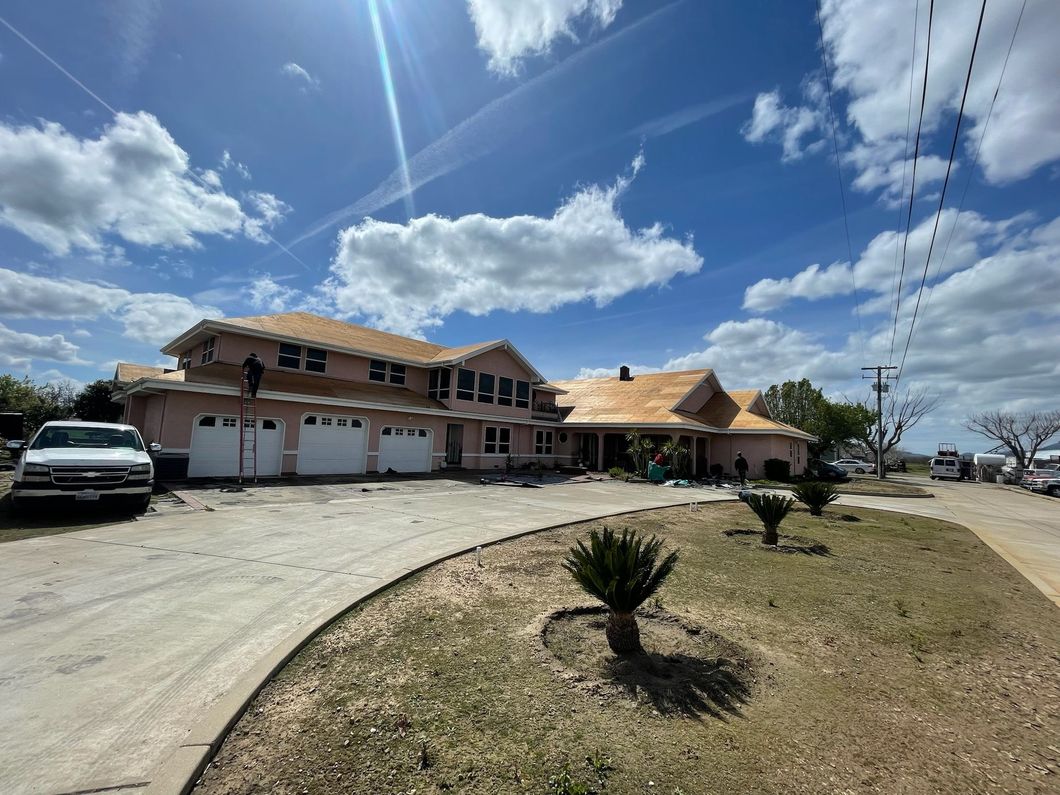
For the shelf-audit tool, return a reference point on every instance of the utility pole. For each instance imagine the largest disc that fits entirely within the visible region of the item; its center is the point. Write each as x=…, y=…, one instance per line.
x=879, y=388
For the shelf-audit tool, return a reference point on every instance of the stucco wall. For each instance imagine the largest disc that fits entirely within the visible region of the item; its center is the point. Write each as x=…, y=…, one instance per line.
x=498, y=363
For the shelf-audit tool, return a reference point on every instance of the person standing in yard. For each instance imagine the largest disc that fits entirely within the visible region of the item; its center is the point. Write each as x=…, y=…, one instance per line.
x=741, y=467
x=253, y=368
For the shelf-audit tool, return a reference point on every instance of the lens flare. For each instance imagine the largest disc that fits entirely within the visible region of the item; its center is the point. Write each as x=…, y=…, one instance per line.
x=391, y=103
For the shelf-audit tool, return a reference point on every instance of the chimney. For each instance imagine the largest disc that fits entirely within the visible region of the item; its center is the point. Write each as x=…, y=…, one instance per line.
x=623, y=374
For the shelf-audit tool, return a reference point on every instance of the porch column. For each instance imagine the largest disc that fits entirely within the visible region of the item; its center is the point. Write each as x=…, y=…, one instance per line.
x=599, y=451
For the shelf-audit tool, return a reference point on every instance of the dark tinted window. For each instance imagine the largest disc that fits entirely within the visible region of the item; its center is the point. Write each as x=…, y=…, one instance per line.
x=486, y=383
x=289, y=356
x=505, y=387
x=522, y=394
x=465, y=384
x=316, y=360
x=376, y=370
x=397, y=374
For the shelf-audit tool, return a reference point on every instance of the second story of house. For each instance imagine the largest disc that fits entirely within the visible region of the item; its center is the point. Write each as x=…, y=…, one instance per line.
x=303, y=351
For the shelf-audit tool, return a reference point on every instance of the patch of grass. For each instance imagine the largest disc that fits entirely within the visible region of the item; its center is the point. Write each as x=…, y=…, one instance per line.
x=917, y=703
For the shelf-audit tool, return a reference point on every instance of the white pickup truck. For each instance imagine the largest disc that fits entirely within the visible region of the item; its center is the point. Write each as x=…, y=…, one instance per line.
x=83, y=462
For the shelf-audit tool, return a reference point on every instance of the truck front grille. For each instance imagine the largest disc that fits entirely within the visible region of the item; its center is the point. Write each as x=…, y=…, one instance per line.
x=89, y=476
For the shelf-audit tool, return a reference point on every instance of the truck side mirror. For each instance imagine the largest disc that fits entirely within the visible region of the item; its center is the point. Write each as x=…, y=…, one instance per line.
x=16, y=444
x=154, y=447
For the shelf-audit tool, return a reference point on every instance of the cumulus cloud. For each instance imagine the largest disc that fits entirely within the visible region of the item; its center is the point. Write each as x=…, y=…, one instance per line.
x=270, y=211
x=18, y=349
x=149, y=317
x=608, y=372
x=874, y=271
x=305, y=80
x=409, y=277
x=267, y=294
x=869, y=45
x=510, y=32
x=133, y=182
x=772, y=120
x=228, y=162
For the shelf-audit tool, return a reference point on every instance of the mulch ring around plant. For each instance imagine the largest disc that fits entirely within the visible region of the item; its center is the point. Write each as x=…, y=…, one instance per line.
x=683, y=671
x=791, y=545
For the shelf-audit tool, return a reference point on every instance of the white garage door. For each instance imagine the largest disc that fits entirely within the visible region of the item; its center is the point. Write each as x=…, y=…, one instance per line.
x=215, y=447
x=331, y=445
x=405, y=449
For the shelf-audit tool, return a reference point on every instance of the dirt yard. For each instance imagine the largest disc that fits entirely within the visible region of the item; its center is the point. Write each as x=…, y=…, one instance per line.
x=884, y=653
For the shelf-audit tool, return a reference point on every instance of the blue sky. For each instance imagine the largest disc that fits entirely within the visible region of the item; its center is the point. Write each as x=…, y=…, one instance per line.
x=600, y=181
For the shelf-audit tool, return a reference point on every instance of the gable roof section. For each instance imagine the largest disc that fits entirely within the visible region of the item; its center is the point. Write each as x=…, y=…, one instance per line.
x=307, y=328
x=649, y=399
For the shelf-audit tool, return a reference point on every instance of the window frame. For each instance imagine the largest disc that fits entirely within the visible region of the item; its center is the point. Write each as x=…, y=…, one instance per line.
x=376, y=374
x=522, y=402
x=502, y=440
x=396, y=373
x=463, y=393
x=439, y=383
x=543, y=442
x=321, y=360
x=209, y=349
x=484, y=394
x=505, y=399
x=280, y=356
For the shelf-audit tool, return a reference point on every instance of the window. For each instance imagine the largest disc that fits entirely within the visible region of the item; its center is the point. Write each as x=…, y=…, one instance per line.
x=228, y=422
x=185, y=360
x=486, y=384
x=342, y=422
x=465, y=384
x=268, y=425
x=543, y=443
x=208, y=422
x=310, y=420
x=208, y=349
x=316, y=360
x=497, y=440
x=438, y=384
x=504, y=391
x=376, y=370
x=325, y=420
x=289, y=356
x=397, y=374
x=386, y=431
x=522, y=394
x=563, y=437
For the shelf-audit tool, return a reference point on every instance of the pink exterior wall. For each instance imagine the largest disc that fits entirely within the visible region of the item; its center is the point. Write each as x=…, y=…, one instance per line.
x=756, y=449
x=497, y=362
x=151, y=429
x=234, y=348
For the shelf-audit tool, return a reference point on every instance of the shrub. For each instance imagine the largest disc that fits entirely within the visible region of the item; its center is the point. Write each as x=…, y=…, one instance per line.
x=815, y=495
x=680, y=458
x=771, y=509
x=618, y=473
x=622, y=572
x=777, y=469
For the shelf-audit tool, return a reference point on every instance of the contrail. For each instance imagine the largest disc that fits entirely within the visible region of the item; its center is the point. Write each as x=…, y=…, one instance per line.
x=474, y=137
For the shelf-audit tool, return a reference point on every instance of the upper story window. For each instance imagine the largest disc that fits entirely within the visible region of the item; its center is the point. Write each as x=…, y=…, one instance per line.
x=289, y=356
x=316, y=360
x=505, y=390
x=438, y=382
x=185, y=360
x=522, y=394
x=208, y=348
x=378, y=370
x=486, y=384
x=465, y=384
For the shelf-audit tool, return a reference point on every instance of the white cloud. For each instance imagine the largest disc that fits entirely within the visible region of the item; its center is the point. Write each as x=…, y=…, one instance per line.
x=228, y=162
x=509, y=32
x=18, y=349
x=772, y=120
x=270, y=211
x=134, y=182
x=409, y=277
x=608, y=372
x=148, y=317
x=875, y=268
x=869, y=45
x=269, y=295
x=664, y=125
x=306, y=81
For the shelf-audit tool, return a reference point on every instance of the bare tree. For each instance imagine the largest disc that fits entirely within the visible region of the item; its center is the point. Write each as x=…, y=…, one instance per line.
x=899, y=416
x=1023, y=434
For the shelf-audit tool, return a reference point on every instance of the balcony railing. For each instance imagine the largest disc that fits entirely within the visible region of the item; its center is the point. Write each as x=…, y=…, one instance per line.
x=543, y=407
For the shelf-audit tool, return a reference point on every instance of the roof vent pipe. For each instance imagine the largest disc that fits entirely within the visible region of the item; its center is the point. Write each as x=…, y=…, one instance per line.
x=623, y=373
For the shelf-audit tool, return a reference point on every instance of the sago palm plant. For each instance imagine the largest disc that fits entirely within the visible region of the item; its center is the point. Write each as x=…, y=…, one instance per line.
x=815, y=495
x=771, y=510
x=622, y=572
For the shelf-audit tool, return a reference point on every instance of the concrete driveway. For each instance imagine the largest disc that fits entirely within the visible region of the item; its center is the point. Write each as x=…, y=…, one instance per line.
x=116, y=641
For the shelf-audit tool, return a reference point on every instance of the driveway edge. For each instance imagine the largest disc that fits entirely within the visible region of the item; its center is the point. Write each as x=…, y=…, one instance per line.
x=179, y=773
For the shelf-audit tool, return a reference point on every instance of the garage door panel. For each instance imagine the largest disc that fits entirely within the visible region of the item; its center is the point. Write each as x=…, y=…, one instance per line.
x=215, y=447
x=332, y=445
x=405, y=449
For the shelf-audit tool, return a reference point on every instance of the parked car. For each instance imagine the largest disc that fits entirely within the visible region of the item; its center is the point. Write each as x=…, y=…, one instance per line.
x=822, y=470
x=1032, y=478
x=945, y=469
x=84, y=462
x=1050, y=486
x=855, y=465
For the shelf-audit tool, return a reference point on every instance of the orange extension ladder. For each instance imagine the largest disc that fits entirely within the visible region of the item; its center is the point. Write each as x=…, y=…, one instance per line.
x=248, y=433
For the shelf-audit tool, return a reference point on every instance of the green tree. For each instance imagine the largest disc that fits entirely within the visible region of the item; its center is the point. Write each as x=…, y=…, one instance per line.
x=38, y=403
x=622, y=572
x=802, y=405
x=93, y=403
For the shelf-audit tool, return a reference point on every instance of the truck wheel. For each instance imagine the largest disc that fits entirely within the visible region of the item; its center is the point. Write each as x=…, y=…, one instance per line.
x=859, y=471
x=1054, y=491
x=141, y=504
x=15, y=506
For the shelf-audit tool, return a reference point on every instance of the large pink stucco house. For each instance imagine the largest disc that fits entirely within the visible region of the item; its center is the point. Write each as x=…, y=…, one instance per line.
x=338, y=398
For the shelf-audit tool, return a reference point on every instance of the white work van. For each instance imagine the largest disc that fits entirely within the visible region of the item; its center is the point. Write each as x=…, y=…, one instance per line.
x=948, y=468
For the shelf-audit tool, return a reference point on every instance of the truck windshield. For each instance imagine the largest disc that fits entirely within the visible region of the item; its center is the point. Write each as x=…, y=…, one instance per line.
x=75, y=437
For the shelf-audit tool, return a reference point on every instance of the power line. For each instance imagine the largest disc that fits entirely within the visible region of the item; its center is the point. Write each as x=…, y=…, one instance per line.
x=945, y=183
x=975, y=158
x=905, y=164
x=839, y=173
x=912, y=189
x=97, y=98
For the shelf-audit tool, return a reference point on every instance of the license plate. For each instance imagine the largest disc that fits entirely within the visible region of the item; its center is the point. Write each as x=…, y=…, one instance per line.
x=87, y=495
